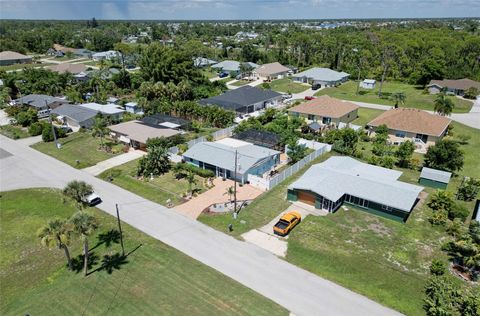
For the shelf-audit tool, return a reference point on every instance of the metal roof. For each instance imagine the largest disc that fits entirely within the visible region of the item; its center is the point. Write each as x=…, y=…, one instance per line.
x=107, y=109
x=223, y=156
x=241, y=97
x=435, y=175
x=322, y=74
x=344, y=175
x=75, y=112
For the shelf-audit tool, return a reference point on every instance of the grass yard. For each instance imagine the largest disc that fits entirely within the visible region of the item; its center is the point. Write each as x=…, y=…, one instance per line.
x=226, y=79
x=416, y=97
x=287, y=85
x=79, y=146
x=22, y=66
x=154, y=278
x=240, y=83
x=209, y=73
x=365, y=115
x=14, y=132
x=159, y=190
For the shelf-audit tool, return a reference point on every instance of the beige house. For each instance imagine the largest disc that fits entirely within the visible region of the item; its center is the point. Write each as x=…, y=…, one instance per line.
x=11, y=58
x=271, y=71
x=326, y=110
x=421, y=127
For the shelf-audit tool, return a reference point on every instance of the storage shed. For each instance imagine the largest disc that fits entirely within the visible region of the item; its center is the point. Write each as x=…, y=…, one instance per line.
x=434, y=178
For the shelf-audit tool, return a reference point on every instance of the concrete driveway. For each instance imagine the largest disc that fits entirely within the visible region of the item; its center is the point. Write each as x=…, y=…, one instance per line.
x=114, y=162
x=217, y=194
x=302, y=293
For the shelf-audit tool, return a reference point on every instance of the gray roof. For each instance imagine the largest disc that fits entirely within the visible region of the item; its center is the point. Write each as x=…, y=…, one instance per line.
x=228, y=65
x=223, y=156
x=322, y=74
x=435, y=175
x=39, y=101
x=241, y=97
x=202, y=61
x=344, y=175
x=75, y=112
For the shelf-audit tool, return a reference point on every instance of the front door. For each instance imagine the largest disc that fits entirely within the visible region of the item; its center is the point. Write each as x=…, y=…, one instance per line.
x=423, y=137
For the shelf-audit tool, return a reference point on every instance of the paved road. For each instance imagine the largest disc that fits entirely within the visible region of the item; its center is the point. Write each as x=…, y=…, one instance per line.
x=297, y=290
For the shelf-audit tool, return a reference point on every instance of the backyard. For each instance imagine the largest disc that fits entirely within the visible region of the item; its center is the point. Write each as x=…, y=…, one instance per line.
x=365, y=115
x=81, y=147
x=159, y=190
x=288, y=86
x=153, y=279
x=416, y=97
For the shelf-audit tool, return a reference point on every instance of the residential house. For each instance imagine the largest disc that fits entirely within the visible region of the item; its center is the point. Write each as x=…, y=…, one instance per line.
x=167, y=121
x=108, y=55
x=421, y=127
x=323, y=77
x=368, y=84
x=245, y=99
x=434, y=178
x=11, y=58
x=41, y=102
x=136, y=133
x=326, y=110
x=75, y=116
x=219, y=157
x=339, y=180
x=112, y=111
x=74, y=69
x=271, y=71
x=232, y=66
x=456, y=87
x=202, y=62
x=133, y=107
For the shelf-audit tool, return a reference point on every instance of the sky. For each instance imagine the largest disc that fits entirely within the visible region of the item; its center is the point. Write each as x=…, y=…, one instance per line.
x=235, y=9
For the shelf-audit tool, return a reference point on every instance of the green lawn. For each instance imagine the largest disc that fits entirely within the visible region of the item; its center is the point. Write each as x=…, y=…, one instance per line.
x=14, y=132
x=79, y=146
x=22, y=66
x=155, y=279
x=240, y=83
x=209, y=73
x=416, y=96
x=365, y=115
x=159, y=190
x=471, y=167
x=287, y=85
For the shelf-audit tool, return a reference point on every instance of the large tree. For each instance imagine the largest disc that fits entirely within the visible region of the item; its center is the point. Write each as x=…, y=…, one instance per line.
x=443, y=105
x=155, y=163
x=77, y=190
x=57, y=233
x=84, y=224
x=445, y=155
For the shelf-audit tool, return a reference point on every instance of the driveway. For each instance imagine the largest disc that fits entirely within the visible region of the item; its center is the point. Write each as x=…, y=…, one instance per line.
x=302, y=293
x=217, y=194
x=114, y=162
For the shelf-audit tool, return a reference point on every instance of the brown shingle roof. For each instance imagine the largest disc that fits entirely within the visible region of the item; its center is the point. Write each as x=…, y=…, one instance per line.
x=9, y=55
x=62, y=48
x=412, y=120
x=67, y=67
x=140, y=131
x=325, y=106
x=271, y=69
x=460, y=84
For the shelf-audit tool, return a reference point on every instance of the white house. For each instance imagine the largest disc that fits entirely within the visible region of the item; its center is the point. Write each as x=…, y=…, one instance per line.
x=368, y=84
x=108, y=55
x=321, y=76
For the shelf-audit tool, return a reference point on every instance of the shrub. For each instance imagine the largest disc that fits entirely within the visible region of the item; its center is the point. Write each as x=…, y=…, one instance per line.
x=468, y=190
x=47, y=133
x=458, y=211
x=439, y=217
x=36, y=128
x=204, y=173
x=437, y=267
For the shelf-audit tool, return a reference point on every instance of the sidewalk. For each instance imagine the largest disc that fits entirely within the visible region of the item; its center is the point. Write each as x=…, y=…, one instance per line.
x=114, y=162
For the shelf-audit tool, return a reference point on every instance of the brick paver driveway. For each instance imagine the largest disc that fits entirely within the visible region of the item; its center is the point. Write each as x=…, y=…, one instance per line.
x=217, y=194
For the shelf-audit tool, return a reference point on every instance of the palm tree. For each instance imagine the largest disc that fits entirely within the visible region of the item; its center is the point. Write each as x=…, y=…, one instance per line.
x=77, y=190
x=230, y=191
x=84, y=224
x=443, y=105
x=57, y=233
x=100, y=129
x=191, y=181
x=399, y=98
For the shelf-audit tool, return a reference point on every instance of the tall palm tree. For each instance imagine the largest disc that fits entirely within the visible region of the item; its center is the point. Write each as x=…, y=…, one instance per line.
x=57, y=233
x=77, y=190
x=443, y=105
x=191, y=181
x=84, y=224
x=100, y=129
x=399, y=98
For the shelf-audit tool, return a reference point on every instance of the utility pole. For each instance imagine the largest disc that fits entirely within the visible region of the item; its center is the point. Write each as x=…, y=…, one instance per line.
x=235, y=186
x=53, y=128
x=358, y=66
x=120, y=229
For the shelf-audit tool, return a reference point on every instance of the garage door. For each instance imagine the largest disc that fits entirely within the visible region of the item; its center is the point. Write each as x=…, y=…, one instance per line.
x=306, y=197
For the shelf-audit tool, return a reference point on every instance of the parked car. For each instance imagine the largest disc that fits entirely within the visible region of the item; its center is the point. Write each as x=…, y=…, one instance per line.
x=286, y=223
x=223, y=75
x=308, y=97
x=92, y=199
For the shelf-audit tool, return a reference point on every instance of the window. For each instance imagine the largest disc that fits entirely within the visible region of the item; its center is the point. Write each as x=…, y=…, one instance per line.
x=326, y=120
x=400, y=134
x=387, y=208
x=311, y=117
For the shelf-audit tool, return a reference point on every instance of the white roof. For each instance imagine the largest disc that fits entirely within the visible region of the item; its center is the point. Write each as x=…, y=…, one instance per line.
x=370, y=81
x=223, y=156
x=108, y=109
x=232, y=142
x=322, y=74
x=169, y=125
x=132, y=104
x=435, y=175
x=344, y=175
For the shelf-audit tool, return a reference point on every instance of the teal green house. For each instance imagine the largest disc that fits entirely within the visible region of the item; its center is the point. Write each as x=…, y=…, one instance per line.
x=434, y=178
